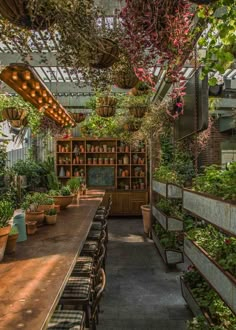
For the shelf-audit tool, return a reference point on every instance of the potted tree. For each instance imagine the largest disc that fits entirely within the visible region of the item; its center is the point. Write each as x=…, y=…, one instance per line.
x=6, y=212
x=12, y=238
x=31, y=206
x=51, y=216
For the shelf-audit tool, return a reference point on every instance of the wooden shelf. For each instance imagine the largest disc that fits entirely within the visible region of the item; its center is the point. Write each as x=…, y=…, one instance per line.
x=100, y=152
x=123, y=177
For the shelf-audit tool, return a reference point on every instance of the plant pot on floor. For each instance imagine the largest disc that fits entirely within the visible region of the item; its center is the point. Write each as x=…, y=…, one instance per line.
x=11, y=243
x=51, y=219
x=146, y=213
x=3, y=240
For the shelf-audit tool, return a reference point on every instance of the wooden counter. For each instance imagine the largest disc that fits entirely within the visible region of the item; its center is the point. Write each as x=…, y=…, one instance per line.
x=32, y=280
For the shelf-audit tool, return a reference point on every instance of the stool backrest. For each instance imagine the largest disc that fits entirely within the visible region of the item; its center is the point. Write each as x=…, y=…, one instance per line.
x=99, y=289
x=100, y=258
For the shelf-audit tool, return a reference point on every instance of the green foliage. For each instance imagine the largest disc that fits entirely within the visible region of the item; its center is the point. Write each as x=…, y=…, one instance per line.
x=6, y=213
x=165, y=174
x=133, y=101
x=52, y=181
x=51, y=212
x=74, y=184
x=170, y=208
x=217, y=182
x=169, y=240
x=219, y=246
x=219, y=41
x=13, y=231
x=65, y=191
x=209, y=301
x=3, y=157
x=31, y=202
x=30, y=169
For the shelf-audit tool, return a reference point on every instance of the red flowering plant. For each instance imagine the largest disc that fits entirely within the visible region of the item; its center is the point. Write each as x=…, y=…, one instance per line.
x=158, y=32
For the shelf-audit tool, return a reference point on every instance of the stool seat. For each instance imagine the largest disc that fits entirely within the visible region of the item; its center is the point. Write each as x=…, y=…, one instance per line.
x=96, y=226
x=84, y=259
x=82, y=269
x=99, y=217
x=90, y=248
x=67, y=320
x=94, y=235
x=77, y=288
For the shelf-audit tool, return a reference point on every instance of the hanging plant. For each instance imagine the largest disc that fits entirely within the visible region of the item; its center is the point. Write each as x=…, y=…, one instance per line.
x=203, y=2
x=123, y=74
x=105, y=104
x=137, y=105
x=158, y=33
x=23, y=13
x=78, y=117
x=105, y=53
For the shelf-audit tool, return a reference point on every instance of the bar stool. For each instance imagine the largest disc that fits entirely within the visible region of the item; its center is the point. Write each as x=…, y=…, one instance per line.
x=92, y=248
x=67, y=320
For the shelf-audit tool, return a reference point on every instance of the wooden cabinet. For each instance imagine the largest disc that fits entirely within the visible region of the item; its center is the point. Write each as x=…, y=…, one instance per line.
x=108, y=164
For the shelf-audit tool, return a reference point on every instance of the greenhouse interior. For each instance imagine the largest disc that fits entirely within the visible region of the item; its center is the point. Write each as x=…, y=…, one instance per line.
x=118, y=164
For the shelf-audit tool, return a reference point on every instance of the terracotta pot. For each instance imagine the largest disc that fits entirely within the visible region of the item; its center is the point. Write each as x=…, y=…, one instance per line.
x=45, y=207
x=3, y=240
x=35, y=216
x=11, y=243
x=51, y=219
x=57, y=208
x=31, y=227
x=147, y=223
x=105, y=54
x=63, y=201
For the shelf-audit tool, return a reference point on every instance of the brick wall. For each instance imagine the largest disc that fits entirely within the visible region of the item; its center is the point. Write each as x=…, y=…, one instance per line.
x=212, y=153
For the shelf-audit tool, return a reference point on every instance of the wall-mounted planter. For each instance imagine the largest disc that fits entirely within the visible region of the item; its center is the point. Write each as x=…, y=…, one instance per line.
x=223, y=282
x=167, y=190
x=169, y=256
x=167, y=222
x=218, y=212
x=190, y=300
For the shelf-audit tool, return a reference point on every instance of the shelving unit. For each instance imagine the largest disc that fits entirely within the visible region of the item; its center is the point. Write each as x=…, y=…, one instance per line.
x=168, y=223
x=108, y=164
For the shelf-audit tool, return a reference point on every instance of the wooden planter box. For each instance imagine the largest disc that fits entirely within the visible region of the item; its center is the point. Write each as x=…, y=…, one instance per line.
x=169, y=256
x=223, y=282
x=167, y=190
x=167, y=222
x=215, y=211
x=190, y=300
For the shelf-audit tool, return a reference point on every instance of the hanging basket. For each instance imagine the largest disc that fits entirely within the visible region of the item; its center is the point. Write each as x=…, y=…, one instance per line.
x=78, y=117
x=138, y=111
x=125, y=79
x=17, y=12
x=105, y=111
x=132, y=126
x=105, y=54
x=203, y=2
x=13, y=114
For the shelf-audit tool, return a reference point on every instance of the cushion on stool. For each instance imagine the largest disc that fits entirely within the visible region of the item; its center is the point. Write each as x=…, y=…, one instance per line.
x=96, y=226
x=84, y=259
x=90, y=248
x=67, y=320
x=94, y=235
x=77, y=288
x=82, y=268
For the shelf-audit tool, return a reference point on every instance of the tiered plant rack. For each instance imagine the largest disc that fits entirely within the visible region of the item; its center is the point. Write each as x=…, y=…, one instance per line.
x=222, y=215
x=169, y=223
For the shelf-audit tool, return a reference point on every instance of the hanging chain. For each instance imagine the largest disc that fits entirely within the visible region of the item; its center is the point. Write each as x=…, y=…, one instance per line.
x=196, y=106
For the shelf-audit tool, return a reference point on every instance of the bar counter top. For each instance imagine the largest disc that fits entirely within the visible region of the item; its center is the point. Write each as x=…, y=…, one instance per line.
x=32, y=279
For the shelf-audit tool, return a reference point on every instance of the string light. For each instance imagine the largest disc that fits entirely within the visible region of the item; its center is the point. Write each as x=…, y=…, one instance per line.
x=27, y=75
x=14, y=76
x=40, y=100
x=44, y=93
x=33, y=94
x=24, y=86
x=37, y=85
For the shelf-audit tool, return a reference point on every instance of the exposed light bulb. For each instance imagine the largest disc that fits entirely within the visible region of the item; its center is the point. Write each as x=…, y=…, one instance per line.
x=44, y=93
x=40, y=100
x=50, y=100
x=37, y=85
x=27, y=75
x=24, y=86
x=14, y=76
x=33, y=94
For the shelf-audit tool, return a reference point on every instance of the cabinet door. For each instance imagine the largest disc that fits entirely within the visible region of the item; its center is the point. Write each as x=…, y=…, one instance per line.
x=136, y=200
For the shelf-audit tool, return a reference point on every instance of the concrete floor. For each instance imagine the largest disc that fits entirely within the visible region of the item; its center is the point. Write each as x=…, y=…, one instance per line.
x=141, y=292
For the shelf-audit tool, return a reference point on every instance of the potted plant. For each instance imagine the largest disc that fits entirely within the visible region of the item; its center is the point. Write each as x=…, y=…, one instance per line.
x=51, y=216
x=123, y=73
x=105, y=53
x=105, y=105
x=6, y=213
x=137, y=105
x=46, y=203
x=74, y=184
x=62, y=197
x=12, y=238
x=31, y=227
x=31, y=207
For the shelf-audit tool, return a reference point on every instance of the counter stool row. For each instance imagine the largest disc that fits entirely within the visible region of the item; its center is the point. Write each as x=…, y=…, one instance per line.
x=79, y=304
